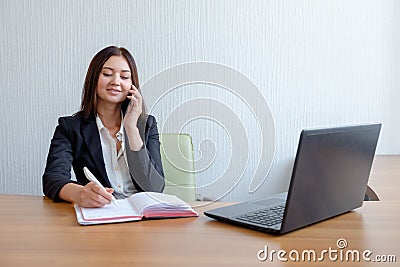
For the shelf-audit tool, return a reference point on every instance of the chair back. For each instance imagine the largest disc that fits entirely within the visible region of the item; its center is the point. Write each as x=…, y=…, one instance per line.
x=178, y=164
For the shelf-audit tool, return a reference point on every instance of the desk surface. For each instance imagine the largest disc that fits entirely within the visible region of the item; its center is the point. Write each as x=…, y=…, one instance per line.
x=34, y=231
x=385, y=177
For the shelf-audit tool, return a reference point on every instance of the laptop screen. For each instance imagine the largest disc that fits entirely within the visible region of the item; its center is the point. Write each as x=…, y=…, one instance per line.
x=330, y=173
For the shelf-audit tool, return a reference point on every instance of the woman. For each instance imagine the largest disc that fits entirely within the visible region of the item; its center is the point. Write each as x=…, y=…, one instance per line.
x=111, y=135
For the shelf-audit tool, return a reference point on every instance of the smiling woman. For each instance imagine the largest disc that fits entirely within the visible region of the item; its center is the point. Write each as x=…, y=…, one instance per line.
x=111, y=135
x=114, y=81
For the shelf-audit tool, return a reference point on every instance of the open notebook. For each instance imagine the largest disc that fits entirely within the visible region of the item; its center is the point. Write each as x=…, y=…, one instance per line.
x=143, y=205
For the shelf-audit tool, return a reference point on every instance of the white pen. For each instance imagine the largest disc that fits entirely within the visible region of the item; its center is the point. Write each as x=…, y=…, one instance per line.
x=93, y=179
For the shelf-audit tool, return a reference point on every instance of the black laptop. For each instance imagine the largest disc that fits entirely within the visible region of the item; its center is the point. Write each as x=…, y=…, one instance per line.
x=329, y=177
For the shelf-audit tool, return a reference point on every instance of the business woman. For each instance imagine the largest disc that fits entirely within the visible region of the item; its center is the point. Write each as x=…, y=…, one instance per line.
x=111, y=135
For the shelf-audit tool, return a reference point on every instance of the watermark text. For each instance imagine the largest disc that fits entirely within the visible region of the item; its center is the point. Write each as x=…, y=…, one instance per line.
x=339, y=253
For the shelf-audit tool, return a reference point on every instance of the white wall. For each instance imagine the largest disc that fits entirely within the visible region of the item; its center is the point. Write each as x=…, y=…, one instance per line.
x=317, y=63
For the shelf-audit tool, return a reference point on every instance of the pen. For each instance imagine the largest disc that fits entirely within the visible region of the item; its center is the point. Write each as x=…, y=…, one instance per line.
x=93, y=179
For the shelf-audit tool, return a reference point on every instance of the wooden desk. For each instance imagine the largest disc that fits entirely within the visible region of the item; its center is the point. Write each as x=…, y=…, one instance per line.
x=385, y=177
x=34, y=231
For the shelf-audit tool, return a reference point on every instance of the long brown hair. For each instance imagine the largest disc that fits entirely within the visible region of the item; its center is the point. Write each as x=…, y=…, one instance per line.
x=89, y=97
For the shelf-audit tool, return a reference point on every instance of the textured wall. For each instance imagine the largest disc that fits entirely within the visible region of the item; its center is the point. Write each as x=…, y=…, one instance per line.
x=316, y=63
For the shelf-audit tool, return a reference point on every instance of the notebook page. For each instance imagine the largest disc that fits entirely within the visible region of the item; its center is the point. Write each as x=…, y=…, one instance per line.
x=124, y=210
x=144, y=200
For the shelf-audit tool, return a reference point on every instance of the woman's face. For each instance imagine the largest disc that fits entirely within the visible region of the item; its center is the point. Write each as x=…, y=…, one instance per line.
x=114, y=82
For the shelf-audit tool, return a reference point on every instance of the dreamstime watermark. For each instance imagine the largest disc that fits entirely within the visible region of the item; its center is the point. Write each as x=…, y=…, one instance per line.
x=176, y=96
x=339, y=254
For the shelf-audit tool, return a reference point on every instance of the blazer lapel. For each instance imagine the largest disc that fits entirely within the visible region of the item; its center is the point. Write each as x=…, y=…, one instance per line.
x=92, y=139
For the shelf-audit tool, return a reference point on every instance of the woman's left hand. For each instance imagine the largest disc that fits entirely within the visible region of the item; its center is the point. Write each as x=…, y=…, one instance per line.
x=132, y=114
x=134, y=108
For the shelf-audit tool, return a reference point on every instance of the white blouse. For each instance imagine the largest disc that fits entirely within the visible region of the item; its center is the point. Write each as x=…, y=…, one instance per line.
x=115, y=162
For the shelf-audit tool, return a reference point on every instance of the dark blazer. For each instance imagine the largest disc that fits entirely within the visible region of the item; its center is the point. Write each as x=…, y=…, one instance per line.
x=76, y=143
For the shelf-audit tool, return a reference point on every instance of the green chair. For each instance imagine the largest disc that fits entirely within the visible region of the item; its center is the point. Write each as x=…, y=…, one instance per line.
x=178, y=164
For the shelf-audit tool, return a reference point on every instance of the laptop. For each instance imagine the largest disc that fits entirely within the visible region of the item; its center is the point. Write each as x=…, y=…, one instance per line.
x=329, y=177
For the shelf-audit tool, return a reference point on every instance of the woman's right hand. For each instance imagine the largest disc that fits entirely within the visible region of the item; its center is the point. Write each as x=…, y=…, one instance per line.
x=88, y=196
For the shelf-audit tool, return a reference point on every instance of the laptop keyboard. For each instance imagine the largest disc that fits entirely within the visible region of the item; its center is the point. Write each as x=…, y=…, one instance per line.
x=266, y=217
